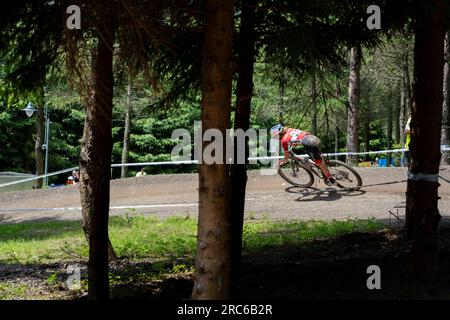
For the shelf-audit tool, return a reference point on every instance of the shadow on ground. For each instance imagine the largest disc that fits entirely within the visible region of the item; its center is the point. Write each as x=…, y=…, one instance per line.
x=337, y=269
x=333, y=268
x=322, y=269
x=328, y=194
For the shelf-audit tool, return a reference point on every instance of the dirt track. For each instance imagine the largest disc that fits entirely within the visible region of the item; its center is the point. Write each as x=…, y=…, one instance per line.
x=268, y=196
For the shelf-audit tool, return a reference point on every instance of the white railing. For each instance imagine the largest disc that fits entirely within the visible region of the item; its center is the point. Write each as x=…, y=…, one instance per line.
x=163, y=163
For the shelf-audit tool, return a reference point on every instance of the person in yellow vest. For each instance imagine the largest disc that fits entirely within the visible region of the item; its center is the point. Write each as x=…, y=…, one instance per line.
x=407, y=139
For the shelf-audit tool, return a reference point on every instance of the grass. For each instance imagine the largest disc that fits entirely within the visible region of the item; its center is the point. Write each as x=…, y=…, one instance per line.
x=10, y=291
x=168, y=244
x=138, y=237
x=132, y=237
x=260, y=235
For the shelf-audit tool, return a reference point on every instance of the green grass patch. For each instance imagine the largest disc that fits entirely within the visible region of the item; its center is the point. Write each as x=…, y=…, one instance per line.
x=12, y=291
x=259, y=235
x=137, y=237
x=133, y=237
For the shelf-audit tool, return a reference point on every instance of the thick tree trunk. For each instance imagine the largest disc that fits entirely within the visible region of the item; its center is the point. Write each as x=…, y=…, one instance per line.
x=445, y=134
x=95, y=158
x=422, y=215
x=39, y=152
x=244, y=91
x=353, y=100
x=126, y=133
x=212, y=267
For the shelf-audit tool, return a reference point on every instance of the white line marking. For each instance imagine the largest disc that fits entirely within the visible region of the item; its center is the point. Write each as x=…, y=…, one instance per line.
x=167, y=205
x=112, y=207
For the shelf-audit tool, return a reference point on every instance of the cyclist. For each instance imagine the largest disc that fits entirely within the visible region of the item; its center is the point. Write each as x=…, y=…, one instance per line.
x=290, y=136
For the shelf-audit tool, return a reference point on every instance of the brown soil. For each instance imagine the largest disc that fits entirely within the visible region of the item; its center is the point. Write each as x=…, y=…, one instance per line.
x=328, y=269
x=383, y=192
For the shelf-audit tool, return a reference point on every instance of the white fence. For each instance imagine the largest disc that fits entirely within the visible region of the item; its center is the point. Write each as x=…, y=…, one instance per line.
x=164, y=163
x=21, y=181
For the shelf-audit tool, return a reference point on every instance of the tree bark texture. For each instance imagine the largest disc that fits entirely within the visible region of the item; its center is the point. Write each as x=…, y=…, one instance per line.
x=445, y=135
x=353, y=100
x=212, y=271
x=95, y=157
x=422, y=215
x=244, y=91
x=126, y=133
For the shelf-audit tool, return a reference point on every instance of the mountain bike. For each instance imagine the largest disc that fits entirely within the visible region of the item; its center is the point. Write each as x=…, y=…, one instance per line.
x=301, y=169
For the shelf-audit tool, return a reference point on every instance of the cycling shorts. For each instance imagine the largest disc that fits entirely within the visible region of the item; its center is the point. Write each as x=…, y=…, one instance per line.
x=312, y=146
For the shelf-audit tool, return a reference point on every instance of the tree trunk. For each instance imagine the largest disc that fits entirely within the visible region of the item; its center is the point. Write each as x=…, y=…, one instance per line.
x=422, y=215
x=445, y=135
x=95, y=158
x=281, y=94
x=336, y=139
x=39, y=142
x=389, y=131
x=212, y=271
x=353, y=100
x=367, y=133
x=402, y=119
x=407, y=86
x=405, y=100
x=396, y=120
x=126, y=133
x=314, y=103
x=244, y=91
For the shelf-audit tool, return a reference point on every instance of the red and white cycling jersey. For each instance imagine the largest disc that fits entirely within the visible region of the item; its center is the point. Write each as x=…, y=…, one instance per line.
x=292, y=136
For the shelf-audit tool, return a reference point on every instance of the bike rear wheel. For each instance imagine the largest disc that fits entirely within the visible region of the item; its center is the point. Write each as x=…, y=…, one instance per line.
x=345, y=176
x=296, y=174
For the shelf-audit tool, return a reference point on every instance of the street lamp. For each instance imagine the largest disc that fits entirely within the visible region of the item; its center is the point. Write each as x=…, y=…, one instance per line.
x=29, y=110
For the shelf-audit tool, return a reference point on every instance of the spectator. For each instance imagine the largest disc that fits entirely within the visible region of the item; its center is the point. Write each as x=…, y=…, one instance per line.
x=74, y=178
x=407, y=140
x=141, y=173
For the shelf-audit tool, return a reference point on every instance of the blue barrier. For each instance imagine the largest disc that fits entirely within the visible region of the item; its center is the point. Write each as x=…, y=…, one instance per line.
x=383, y=163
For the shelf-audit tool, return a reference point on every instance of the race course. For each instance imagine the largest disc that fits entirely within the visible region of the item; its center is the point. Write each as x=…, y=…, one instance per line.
x=267, y=196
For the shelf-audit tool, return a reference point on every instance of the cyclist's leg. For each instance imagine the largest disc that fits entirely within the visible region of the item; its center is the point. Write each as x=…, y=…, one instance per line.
x=312, y=146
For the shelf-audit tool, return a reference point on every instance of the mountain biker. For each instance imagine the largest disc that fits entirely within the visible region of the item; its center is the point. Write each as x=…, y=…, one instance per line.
x=290, y=136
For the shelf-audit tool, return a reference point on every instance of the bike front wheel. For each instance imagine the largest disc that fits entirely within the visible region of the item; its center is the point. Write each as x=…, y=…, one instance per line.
x=345, y=176
x=296, y=174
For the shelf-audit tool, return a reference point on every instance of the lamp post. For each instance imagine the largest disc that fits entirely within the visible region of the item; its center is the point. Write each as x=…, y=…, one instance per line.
x=29, y=110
